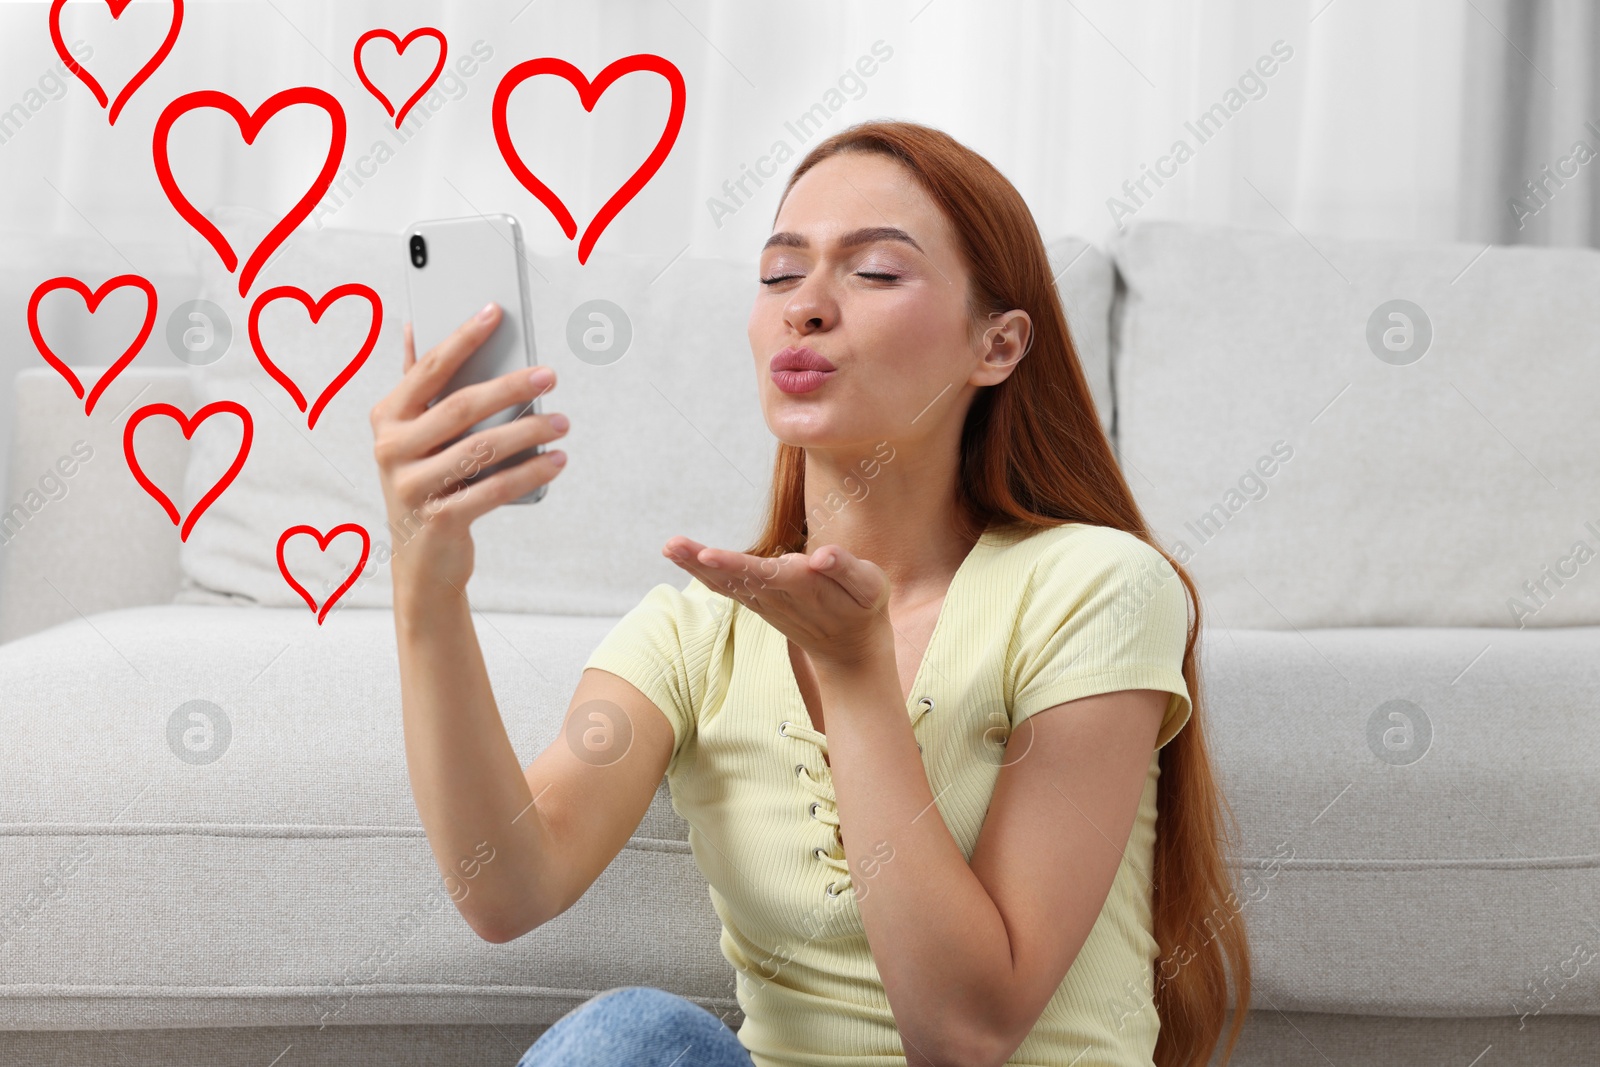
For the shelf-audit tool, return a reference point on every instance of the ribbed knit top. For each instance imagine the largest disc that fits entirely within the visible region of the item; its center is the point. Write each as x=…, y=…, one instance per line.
x=1026, y=624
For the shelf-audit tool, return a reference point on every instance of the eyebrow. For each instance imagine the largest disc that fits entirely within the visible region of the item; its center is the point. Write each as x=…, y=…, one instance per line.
x=862, y=236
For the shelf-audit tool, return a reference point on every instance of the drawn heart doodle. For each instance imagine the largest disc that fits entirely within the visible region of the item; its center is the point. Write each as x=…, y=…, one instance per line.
x=138, y=79
x=323, y=540
x=250, y=124
x=589, y=94
x=93, y=301
x=188, y=424
x=400, y=47
x=315, y=310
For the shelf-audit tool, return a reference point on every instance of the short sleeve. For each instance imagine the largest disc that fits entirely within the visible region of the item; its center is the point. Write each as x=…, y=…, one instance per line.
x=662, y=645
x=1104, y=611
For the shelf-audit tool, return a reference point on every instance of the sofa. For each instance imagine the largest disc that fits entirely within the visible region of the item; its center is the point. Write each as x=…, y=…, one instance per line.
x=1379, y=461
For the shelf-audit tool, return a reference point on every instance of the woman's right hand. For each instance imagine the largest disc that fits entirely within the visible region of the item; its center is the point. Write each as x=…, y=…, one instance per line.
x=429, y=505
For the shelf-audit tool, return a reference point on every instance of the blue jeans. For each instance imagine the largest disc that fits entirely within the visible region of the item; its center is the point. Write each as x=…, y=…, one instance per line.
x=637, y=1026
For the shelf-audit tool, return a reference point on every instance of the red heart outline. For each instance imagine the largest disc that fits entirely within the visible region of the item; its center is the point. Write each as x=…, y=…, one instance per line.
x=315, y=310
x=589, y=93
x=400, y=47
x=117, y=8
x=249, y=125
x=188, y=424
x=93, y=299
x=323, y=540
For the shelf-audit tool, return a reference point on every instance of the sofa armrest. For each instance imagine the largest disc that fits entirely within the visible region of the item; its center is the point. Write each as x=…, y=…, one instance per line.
x=78, y=534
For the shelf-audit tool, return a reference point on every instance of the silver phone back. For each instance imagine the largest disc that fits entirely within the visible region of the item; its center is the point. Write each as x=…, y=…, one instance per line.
x=471, y=261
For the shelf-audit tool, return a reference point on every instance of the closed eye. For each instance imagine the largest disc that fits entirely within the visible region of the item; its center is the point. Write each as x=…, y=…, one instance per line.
x=775, y=279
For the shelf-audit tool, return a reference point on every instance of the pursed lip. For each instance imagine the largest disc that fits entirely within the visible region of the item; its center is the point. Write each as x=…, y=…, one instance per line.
x=798, y=357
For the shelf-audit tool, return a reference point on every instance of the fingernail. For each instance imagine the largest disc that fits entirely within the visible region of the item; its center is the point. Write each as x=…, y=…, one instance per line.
x=541, y=377
x=712, y=563
x=487, y=312
x=558, y=458
x=559, y=422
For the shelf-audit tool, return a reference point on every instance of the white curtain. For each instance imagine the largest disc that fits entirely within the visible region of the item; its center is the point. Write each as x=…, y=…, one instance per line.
x=1533, y=101
x=1358, y=118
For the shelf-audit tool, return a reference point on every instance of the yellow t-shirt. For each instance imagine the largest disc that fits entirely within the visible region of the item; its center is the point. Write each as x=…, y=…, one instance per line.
x=1026, y=624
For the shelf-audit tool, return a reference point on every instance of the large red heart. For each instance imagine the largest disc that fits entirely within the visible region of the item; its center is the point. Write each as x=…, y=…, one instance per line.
x=93, y=301
x=588, y=94
x=400, y=47
x=188, y=424
x=323, y=541
x=117, y=7
x=249, y=125
x=315, y=310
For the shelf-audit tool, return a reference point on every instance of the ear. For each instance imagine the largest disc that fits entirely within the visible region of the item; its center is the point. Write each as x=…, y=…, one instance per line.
x=1005, y=342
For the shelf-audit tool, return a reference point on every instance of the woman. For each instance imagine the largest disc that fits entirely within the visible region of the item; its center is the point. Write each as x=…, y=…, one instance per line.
x=955, y=642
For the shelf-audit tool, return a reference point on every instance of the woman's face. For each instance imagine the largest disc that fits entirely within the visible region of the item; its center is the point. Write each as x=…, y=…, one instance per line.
x=863, y=269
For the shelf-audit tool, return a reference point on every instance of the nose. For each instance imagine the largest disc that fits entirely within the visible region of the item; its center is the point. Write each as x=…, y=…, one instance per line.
x=810, y=307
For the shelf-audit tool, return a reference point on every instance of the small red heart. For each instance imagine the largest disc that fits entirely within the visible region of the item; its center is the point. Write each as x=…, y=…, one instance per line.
x=323, y=541
x=93, y=301
x=144, y=72
x=589, y=94
x=188, y=424
x=282, y=292
x=249, y=125
x=400, y=47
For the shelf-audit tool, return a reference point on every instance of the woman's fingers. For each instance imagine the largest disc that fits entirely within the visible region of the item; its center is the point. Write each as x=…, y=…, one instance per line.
x=861, y=581
x=457, y=413
x=467, y=456
x=853, y=574
x=735, y=574
x=472, y=500
x=792, y=592
x=412, y=395
x=726, y=570
x=679, y=548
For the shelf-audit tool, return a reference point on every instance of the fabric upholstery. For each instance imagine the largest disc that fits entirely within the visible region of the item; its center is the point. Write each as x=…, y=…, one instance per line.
x=1423, y=494
x=289, y=881
x=92, y=540
x=1440, y=887
x=1269, y=1039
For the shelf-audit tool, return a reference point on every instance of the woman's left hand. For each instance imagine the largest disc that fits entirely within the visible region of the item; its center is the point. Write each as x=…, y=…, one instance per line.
x=831, y=604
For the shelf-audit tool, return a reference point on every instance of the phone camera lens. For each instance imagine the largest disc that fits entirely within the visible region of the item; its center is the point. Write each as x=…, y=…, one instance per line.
x=419, y=251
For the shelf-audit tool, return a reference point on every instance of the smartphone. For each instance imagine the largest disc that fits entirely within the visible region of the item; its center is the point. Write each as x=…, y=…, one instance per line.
x=456, y=267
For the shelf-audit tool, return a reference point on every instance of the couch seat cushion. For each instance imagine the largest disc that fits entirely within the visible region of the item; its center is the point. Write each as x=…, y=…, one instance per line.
x=288, y=881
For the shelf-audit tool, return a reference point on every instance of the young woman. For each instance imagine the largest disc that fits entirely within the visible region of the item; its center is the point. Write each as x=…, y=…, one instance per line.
x=917, y=728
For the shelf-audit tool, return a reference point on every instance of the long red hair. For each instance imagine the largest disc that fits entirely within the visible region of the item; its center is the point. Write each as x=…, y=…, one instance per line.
x=1033, y=456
